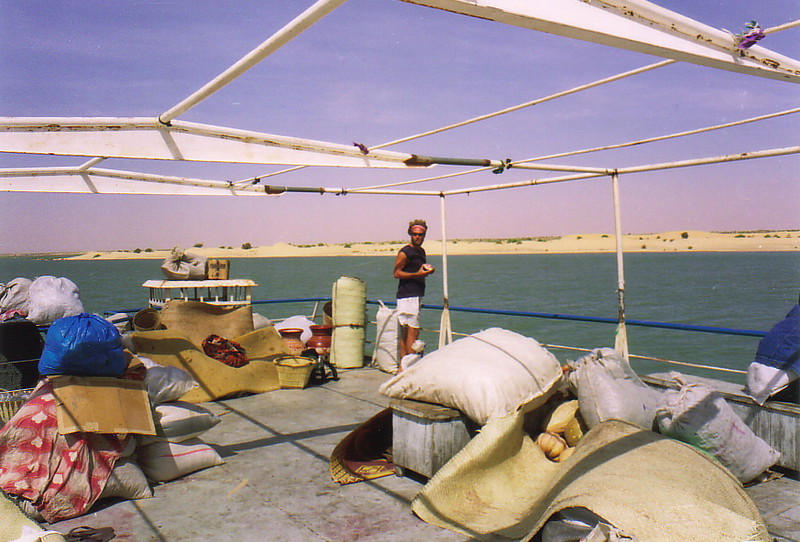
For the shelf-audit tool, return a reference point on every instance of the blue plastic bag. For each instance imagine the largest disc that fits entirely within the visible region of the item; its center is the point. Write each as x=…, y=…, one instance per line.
x=84, y=345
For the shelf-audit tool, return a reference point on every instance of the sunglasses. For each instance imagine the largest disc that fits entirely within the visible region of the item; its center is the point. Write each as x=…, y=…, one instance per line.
x=417, y=235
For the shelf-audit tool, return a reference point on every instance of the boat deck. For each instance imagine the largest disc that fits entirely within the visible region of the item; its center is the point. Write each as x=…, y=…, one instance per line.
x=275, y=483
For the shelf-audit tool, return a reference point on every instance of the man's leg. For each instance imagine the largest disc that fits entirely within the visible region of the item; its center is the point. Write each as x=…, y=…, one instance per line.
x=411, y=335
x=408, y=318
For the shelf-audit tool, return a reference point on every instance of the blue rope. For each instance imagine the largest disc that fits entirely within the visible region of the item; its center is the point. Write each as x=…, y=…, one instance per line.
x=549, y=315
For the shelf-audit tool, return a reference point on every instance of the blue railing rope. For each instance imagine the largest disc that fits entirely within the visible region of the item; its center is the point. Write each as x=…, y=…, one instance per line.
x=528, y=314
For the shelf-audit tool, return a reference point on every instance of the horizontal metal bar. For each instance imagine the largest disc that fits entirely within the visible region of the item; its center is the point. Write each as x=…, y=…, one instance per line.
x=599, y=319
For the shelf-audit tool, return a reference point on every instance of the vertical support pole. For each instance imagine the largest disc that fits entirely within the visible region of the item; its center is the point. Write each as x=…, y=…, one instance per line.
x=621, y=337
x=445, y=329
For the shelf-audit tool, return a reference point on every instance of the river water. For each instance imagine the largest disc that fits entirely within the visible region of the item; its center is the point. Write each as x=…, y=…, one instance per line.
x=733, y=290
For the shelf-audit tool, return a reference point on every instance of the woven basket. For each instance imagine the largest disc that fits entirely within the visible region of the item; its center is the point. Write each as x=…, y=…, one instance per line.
x=10, y=402
x=294, y=371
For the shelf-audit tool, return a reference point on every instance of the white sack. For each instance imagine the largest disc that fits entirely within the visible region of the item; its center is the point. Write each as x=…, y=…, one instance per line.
x=51, y=298
x=607, y=388
x=260, y=321
x=700, y=416
x=164, y=461
x=14, y=295
x=182, y=265
x=764, y=381
x=386, y=340
x=166, y=383
x=297, y=322
x=179, y=421
x=487, y=375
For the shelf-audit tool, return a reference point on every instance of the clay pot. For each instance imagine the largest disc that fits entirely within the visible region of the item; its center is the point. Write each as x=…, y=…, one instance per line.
x=291, y=338
x=321, y=338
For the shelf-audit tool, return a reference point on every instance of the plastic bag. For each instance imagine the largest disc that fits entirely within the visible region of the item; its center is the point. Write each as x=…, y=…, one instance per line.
x=14, y=295
x=84, y=344
x=51, y=298
x=166, y=383
x=182, y=265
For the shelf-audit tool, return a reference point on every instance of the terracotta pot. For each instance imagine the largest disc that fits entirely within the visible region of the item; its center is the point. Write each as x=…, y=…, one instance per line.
x=321, y=338
x=291, y=338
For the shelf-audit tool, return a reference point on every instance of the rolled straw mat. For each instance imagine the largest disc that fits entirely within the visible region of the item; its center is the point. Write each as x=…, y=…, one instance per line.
x=365, y=453
x=647, y=485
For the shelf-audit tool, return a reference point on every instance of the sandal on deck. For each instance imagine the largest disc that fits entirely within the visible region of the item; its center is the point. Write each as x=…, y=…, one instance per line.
x=90, y=534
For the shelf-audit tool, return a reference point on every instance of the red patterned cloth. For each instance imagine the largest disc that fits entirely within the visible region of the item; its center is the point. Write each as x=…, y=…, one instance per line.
x=225, y=350
x=62, y=475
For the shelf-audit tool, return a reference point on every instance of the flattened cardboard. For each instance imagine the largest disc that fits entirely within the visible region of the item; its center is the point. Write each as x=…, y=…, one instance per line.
x=98, y=404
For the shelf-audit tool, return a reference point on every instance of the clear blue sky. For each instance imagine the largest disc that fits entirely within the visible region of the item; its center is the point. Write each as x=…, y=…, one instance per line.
x=378, y=70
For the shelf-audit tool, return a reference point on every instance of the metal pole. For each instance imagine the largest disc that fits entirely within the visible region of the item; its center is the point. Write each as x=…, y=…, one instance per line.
x=445, y=329
x=276, y=41
x=621, y=337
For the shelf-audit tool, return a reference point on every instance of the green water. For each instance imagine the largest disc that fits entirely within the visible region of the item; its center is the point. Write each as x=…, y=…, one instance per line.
x=734, y=290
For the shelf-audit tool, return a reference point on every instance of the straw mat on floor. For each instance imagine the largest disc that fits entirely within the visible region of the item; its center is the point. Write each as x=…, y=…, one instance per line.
x=365, y=453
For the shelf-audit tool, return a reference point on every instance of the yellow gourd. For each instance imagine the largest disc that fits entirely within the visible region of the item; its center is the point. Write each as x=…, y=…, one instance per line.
x=557, y=420
x=551, y=444
x=565, y=454
x=574, y=431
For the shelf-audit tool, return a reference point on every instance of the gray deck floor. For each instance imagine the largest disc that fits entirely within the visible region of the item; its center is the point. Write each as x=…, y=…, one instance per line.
x=275, y=484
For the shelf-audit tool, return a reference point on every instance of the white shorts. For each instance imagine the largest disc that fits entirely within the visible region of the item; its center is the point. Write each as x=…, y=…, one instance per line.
x=408, y=311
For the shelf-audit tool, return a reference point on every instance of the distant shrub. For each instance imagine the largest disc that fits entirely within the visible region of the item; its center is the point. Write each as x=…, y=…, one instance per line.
x=644, y=247
x=247, y=246
x=580, y=237
x=347, y=245
x=604, y=235
x=148, y=250
x=96, y=256
x=739, y=236
x=137, y=250
x=685, y=235
x=198, y=245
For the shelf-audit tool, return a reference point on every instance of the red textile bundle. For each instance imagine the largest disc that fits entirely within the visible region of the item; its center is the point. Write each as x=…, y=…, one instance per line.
x=62, y=475
x=225, y=350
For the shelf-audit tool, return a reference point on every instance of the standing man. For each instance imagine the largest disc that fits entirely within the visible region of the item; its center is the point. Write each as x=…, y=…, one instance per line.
x=411, y=268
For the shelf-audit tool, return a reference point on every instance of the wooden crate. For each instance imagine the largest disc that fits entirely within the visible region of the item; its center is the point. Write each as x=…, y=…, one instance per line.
x=218, y=269
x=425, y=436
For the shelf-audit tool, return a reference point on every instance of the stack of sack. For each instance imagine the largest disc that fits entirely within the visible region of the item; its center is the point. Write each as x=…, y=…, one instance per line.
x=42, y=300
x=175, y=450
x=87, y=350
x=580, y=449
x=607, y=388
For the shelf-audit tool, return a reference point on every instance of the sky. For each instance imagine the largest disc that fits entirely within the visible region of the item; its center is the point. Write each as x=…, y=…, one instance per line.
x=374, y=71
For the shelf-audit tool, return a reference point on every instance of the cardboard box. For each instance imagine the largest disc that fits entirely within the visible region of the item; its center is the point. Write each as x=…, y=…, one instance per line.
x=98, y=404
x=218, y=269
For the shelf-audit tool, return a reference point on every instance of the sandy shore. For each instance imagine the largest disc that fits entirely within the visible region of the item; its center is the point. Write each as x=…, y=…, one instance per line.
x=674, y=241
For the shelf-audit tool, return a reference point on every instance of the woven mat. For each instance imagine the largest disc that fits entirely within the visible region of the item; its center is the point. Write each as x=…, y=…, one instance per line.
x=217, y=380
x=649, y=486
x=365, y=453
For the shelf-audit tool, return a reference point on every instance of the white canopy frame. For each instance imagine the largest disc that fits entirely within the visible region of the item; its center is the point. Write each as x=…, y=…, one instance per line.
x=636, y=25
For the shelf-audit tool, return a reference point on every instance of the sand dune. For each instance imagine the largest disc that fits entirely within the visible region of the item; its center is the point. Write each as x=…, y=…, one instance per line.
x=674, y=241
